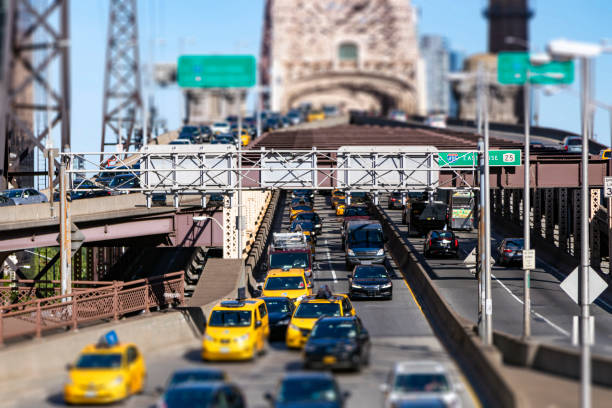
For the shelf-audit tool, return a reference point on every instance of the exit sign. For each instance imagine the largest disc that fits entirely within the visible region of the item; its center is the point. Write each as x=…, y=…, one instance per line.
x=515, y=68
x=216, y=71
x=470, y=159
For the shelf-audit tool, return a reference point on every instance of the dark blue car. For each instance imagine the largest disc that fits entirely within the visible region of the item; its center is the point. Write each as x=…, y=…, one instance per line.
x=307, y=390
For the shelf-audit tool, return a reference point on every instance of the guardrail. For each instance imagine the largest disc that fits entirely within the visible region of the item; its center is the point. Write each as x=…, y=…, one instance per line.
x=85, y=306
x=23, y=290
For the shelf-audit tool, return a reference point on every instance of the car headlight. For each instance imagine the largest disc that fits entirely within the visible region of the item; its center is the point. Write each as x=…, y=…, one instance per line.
x=244, y=337
x=318, y=226
x=380, y=252
x=309, y=348
x=356, y=286
x=386, y=285
x=208, y=337
x=350, y=347
x=351, y=252
x=284, y=321
x=117, y=381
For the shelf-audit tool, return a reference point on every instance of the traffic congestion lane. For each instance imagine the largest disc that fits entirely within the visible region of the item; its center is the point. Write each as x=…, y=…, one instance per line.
x=551, y=307
x=398, y=329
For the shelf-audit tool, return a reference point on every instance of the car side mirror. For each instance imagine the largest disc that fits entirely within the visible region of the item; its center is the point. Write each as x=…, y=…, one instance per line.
x=159, y=390
x=259, y=288
x=69, y=366
x=346, y=394
x=258, y=324
x=268, y=396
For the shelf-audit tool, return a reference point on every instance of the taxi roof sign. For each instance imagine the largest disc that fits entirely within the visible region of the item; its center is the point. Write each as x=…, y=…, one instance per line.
x=110, y=339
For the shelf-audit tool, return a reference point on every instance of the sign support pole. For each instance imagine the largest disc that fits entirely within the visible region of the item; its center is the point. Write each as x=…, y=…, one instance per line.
x=585, y=355
x=242, y=285
x=527, y=211
x=487, y=229
x=65, y=231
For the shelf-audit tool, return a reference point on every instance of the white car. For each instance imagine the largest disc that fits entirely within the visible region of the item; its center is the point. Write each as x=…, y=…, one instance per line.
x=220, y=127
x=398, y=115
x=413, y=380
x=437, y=121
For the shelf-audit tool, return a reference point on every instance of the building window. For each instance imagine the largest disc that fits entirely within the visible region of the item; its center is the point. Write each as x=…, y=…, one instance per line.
x=347, y=52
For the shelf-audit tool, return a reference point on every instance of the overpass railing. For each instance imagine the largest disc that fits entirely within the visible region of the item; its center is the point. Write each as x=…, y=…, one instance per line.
x=24, y=290
x=108, y=302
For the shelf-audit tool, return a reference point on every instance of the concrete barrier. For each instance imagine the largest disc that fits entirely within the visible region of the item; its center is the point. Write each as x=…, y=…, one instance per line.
x=481, y=363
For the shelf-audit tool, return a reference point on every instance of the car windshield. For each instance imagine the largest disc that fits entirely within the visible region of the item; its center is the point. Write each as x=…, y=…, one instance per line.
x=355, y=211
x=360, y=236
x=123, y=181
x=307, y=390
x=302, y=208
x=571, y=142
x=189, y=397
x=370, y=272
x=285, y=283
x=421, y=382
x=183, y=377
x=307, y=216
x=515, y=243
x=334, y=330
x=230, y=318
x=288, y=260
x=97, y=361
x=13, y=193
x=304, y=225
x=314, y=310
x=220, y=125
x=277, y=306
x=442, y=235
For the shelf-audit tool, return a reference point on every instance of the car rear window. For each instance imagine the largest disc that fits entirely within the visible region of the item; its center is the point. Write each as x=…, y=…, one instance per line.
x=574, y=141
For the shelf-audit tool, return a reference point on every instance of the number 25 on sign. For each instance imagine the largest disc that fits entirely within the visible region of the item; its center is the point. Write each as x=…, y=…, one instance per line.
x=607, y=187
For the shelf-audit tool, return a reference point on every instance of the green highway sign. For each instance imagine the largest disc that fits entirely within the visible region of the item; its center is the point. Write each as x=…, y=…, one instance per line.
x=504, y=157
x=216, y=71
x=469, y=159
x=512, y=69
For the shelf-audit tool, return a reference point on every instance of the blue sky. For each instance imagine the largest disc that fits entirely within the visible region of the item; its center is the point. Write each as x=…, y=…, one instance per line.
x=169, y=27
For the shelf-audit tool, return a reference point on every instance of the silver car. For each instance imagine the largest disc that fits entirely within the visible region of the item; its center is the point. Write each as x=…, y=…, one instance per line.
x=413, y=380
x=21, y=196
x=572, y=144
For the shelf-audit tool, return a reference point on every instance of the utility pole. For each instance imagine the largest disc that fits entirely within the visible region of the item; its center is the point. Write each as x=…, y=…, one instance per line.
x=242, y=282
x=122, y=95
x=585, y=340
x=488, y=337
x=65, y=232
x=527, y=210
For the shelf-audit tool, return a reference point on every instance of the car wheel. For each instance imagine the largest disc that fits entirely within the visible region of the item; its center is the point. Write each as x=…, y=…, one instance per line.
x=347, y=266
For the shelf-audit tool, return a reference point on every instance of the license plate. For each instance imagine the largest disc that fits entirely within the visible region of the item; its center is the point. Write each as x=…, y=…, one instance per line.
x=224, y=350
x=329, y=360
x=90, y=394
x=366, y=262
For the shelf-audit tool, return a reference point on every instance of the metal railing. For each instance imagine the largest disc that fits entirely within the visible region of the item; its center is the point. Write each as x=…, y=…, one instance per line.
x=111, y=301
x=23, y=290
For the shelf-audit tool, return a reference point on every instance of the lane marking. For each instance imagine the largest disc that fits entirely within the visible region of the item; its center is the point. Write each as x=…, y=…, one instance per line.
x=329, y=262
x=550, y=323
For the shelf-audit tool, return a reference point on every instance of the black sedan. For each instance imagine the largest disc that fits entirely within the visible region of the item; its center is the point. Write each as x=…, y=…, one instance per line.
x=313, y=390
x=510, y=250
x=370, y=281
x=309, y=194
x=439, y=242
x=202, y=394
x=338, y=342
x=395, y=201
x=193, y=374
x=280, y=310
x=312, y=217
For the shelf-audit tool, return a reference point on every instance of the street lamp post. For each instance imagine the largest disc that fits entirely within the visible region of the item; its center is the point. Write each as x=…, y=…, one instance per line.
x=585, y=52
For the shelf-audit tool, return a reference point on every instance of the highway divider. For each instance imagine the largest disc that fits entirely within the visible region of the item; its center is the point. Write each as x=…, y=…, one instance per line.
x=481, y=363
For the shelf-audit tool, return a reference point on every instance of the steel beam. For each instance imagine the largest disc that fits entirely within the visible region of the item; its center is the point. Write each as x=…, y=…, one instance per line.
x=516, y=206
x=563, y=219
x=595, y=241
x=537, y=213
x=577, y=208
x=549, y=215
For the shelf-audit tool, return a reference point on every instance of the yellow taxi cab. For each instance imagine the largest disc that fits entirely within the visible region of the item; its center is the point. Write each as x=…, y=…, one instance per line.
x=605, y=154
x=309, y=309
x=338, y=196
x=295, y=210
x=105, y=372
x=236, y=330
x=340, y=207
x=292, y=283
x=315, y=115
x=245, y=137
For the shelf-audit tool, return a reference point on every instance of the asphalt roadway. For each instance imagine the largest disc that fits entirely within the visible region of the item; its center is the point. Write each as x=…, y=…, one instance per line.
x=552, y=309
x=398, y=328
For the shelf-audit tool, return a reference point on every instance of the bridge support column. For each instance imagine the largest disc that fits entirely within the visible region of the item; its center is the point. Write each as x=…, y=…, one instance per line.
x=594, y=228
x=576, y=206
x=516, y=206
x=537, y=213
x=563, y=219
x=497, y=197
x=506, y=208
x=230, y=233
x=549, y=215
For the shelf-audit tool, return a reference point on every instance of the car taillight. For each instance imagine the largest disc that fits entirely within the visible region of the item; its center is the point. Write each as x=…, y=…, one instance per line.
x=507, y=250
x=456, y=243
x=429, y=242
x=565, y=147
